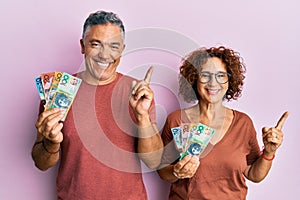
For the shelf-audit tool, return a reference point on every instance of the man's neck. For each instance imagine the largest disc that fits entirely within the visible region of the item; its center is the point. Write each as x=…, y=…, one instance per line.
x=85, y=77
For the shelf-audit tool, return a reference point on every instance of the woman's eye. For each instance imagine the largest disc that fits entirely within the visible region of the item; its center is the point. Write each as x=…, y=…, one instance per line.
x=205, y=75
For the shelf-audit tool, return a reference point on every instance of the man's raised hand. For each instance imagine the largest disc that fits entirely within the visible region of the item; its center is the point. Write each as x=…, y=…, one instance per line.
x=141, y=94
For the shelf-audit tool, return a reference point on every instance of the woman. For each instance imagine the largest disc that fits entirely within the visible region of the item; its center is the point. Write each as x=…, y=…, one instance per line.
x=211, y=76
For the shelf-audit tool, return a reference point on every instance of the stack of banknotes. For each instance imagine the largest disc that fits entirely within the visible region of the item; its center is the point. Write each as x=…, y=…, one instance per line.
x=191, y=138
x=57, y=90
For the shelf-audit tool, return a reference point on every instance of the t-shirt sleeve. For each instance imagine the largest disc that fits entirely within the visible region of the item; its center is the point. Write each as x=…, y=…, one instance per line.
x=170, y=154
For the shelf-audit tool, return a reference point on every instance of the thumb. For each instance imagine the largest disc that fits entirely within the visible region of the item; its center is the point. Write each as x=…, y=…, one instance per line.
x=265, y=129
x=133, y=84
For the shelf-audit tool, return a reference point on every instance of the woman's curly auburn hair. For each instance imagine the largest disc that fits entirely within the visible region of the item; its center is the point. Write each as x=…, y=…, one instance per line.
x=193, y=62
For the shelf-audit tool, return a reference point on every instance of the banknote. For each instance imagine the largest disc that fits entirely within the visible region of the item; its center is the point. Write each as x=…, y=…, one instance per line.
x=65, y=93
x=39, y=86
x=47, y=81
x=185, y=134
x=200, y=135
x=55, y=81
x=177, y=135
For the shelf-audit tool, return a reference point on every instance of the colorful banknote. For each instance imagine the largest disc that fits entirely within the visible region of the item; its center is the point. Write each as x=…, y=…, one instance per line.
x=192, y=138
x=177, y=135
x=55, y=81
x=65, y=93
x=185, y=133
x=47, y=81
x=58, y=90
x=39, y=86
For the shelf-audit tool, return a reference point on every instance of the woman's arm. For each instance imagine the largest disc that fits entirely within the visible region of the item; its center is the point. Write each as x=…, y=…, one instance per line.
x=185, y=168
x=272, y=139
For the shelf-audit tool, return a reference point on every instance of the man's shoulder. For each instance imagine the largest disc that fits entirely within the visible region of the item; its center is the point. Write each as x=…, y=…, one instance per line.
x=125, y=77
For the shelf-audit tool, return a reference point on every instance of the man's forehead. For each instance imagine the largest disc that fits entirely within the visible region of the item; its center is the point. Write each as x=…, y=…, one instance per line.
x=104, y=32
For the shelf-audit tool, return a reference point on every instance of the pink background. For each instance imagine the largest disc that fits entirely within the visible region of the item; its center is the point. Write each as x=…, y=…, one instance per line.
x=40, y=36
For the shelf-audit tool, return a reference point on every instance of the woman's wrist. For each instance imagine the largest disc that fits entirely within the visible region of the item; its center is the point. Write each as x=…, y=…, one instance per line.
x=175, y=174
x=267, y=156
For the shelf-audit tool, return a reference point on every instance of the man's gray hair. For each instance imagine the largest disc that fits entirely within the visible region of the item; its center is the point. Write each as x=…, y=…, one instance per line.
x=101, y=18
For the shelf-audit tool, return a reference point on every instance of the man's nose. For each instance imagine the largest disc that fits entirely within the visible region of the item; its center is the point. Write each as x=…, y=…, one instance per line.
x=104, y=52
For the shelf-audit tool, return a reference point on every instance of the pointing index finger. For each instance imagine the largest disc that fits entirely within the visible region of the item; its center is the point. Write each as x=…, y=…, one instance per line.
x=281, y=121
x=148, y=75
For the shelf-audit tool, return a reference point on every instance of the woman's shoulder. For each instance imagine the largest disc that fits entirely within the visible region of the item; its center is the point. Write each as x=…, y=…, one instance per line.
x=175, y=114
x=239, y=115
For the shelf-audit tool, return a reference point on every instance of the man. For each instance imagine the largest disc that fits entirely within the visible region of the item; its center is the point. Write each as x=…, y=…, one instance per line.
x=106, y=133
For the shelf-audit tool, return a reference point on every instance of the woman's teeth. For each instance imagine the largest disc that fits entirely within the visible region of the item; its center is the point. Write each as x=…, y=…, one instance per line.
x=212, y=91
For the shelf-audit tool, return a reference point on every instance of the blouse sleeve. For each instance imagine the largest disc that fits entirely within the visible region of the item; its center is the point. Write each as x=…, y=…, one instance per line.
x=254, y=151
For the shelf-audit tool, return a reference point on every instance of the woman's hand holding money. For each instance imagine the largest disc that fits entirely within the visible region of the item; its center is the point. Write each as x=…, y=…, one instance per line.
x=187, y=167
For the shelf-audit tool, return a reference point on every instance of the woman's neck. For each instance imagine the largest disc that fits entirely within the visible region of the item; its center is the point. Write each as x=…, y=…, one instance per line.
x=211, y=111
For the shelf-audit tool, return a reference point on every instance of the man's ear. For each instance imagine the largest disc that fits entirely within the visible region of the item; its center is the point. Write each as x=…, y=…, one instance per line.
x=82, y=46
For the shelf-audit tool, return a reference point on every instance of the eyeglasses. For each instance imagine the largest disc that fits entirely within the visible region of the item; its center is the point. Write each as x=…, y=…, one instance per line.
x=221, y=77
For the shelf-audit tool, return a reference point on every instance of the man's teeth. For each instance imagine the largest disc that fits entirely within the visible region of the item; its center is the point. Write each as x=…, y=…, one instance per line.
x=103, y=64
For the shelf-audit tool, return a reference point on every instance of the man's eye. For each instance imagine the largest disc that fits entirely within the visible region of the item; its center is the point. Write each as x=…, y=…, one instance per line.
x=115, y=47
x=95, y=44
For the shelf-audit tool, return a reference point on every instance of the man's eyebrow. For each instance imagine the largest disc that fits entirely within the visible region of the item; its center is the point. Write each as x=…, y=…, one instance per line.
x=95, y=40
x=99, y=41
x=114, y=43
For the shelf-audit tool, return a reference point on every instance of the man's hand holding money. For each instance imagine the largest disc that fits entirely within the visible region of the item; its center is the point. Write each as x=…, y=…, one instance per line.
x=49, y=126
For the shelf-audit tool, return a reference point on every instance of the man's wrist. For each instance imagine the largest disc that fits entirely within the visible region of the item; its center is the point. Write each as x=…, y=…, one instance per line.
x=147, y=131
x=143, y=120
x=50, y=147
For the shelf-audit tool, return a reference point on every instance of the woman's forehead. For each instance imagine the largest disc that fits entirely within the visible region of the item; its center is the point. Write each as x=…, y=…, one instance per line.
x=214, y=64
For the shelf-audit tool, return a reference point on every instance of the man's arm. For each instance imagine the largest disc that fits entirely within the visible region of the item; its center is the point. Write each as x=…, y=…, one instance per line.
x=150, y=145
x=45, y=151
